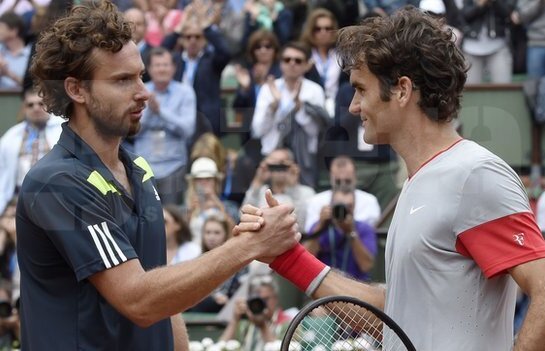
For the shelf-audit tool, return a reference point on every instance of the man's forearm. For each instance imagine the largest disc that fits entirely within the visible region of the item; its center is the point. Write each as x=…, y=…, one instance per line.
x=337, y=284
x=179, y=332
x=532, y=334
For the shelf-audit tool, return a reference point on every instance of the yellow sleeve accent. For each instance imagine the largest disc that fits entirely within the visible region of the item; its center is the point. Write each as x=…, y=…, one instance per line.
x=101, y=184
x=142, y=163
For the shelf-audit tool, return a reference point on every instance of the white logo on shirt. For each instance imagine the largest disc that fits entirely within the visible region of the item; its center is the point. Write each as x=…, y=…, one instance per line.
x=413, y=210
x=156, y=194
x=519, y=238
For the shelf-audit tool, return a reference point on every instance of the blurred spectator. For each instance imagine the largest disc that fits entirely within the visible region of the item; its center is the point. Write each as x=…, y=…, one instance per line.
x=14, y=54
x=262, y=54
x=280, y=173
x=269, y=15
x=161, y=20
x=320, y=34
x=215, y=232
x=342, y=176
x=208, y=145
x=290, y=112
x=203, y=197
x=346, y=12
x=24, y=144
x=340, y=241
x=299, y=10
x=9, y=319
x=8, y=259
x=387, y=7
x=485, y=42
x=167, y=126
x=201, y=65
x=41, y=18
x=447, y=10
x=21, y=6
x=180, y=246
x=531, y=13
x=376, y=166
x=258, y=319
x=137, y=19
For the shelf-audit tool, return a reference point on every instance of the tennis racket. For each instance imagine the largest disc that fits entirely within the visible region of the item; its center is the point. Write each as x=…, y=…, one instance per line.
x=342, y=323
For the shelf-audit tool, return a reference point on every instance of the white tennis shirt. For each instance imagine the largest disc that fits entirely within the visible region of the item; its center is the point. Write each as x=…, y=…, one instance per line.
x=461, y=222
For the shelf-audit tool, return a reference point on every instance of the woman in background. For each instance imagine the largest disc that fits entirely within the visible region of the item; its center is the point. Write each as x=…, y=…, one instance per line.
x=180, y=246
x=320, y=34
x=215, y=232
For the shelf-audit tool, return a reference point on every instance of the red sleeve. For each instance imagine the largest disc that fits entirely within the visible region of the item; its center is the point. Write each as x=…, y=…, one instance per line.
x=502, y=243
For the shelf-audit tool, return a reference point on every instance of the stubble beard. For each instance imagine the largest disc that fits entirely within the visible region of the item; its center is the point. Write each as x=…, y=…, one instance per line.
x=108, y=125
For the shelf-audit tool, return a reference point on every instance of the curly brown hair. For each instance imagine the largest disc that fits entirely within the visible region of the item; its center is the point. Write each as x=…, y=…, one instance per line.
x=413, y=44
x=66, y=50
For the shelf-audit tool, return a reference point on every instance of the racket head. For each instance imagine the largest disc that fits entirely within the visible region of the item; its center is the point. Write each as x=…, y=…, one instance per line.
x=344, y=323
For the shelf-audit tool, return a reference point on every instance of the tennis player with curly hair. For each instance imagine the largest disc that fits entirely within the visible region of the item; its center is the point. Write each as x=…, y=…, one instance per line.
x=91, y=236
x=463, y=234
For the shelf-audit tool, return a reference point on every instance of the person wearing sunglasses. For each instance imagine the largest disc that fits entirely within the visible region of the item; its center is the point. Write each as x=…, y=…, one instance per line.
x=320, y=33
x=290, y=112
x=261, y=62
x=25, y=143
x=204, y=54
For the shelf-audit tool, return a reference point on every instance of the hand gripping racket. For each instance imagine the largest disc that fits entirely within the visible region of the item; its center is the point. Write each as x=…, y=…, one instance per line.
x=342, y=323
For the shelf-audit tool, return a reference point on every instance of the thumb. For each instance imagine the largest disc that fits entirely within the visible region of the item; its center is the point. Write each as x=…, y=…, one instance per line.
x=271, y=201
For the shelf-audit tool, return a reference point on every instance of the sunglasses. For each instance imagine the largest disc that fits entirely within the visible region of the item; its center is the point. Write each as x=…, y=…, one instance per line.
x=263, y=46
x=322, y=29
x=297, y=60
x=31, y=104
x=193, y=36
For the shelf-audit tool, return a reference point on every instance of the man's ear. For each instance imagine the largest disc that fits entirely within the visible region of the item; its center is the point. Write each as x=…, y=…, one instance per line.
x=404, y=89
x=74, y=90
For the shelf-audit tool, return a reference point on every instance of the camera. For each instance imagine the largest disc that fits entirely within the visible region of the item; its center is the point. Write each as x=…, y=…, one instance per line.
x=5, y=309
x=277, y=167
x=256, y=305
x=339, y=212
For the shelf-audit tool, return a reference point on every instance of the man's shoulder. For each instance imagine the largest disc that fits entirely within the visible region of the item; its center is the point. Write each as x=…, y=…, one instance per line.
x=56, y=165
x=322, y=196
x=14, y=130
x=180, y=87
x=364, y=196
x=309, y=84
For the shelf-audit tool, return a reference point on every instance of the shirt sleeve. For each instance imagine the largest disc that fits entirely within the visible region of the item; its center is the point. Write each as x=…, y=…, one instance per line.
x=79, y=222
x=494, y=223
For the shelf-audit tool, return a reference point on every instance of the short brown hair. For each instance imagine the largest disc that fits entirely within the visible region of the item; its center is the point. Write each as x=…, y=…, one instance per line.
x=256, y=38
x=413, y=44
x=183, y=235
x=66, y=50
x=299, y=46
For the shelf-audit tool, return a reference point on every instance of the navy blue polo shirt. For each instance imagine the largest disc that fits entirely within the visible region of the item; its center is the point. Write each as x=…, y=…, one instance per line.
x=74, y=220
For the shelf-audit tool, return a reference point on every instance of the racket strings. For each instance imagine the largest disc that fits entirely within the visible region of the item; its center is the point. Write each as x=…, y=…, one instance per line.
x=343, y=326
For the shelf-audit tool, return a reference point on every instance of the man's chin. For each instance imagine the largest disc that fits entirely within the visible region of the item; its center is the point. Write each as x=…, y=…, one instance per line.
x=133, y=129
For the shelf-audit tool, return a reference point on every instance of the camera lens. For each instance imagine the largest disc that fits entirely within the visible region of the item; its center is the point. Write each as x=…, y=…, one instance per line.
x=339, y=212
x=277, y=167
x=256, y=305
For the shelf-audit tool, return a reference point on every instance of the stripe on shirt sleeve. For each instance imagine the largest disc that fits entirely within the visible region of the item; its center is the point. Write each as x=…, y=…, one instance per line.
x=99, y=247
x=107, y=242
x=503, y=243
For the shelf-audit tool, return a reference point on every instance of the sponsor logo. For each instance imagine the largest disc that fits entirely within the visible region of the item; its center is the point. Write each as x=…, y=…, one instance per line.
x=414, y=210
x=109, y=250
x=519, y=238
x=156, y=194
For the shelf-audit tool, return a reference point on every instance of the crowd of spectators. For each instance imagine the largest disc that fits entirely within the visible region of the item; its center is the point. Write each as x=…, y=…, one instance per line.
x=291, y=107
